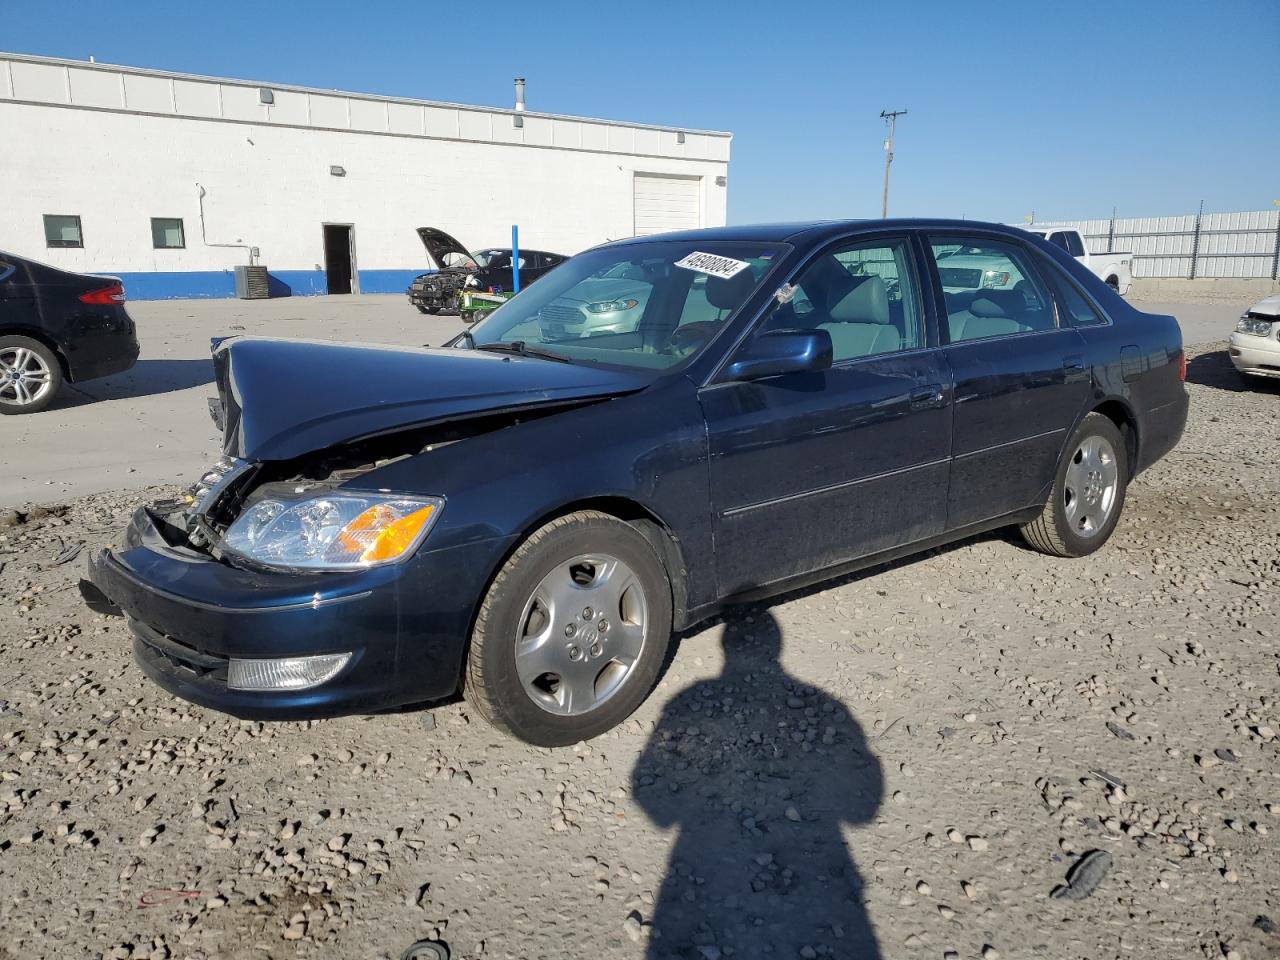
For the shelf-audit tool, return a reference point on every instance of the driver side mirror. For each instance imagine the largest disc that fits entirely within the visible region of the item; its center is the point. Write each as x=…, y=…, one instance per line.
x=782, y=351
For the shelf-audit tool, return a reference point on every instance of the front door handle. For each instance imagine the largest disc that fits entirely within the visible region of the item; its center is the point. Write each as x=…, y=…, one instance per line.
x=927, y=398
x=1073, y=363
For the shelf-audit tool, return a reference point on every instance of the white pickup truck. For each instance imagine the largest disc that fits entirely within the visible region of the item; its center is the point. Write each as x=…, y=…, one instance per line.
x=1111, y=267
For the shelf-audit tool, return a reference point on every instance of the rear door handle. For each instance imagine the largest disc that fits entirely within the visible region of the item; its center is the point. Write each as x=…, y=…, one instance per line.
x=927, y=398
x=1073, y=363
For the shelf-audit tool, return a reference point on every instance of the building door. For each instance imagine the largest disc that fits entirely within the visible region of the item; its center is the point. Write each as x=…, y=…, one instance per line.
x=663, y=204
x=339, y=258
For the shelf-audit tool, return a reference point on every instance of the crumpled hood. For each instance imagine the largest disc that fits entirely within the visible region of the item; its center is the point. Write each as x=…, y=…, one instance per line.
x=1269, y=307
x=283, y=398
x=439, y=244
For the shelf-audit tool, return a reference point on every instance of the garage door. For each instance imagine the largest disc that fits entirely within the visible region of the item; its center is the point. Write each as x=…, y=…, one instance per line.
x=667, y=203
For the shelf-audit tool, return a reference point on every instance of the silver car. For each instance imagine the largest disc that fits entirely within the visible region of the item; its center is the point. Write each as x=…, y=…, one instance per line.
x=610, y=303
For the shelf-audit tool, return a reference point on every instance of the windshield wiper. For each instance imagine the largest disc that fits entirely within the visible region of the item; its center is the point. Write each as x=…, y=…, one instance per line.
x=523, y=349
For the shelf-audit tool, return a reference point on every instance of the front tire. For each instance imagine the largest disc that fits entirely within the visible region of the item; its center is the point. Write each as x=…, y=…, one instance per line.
x=30, y=375
x=1088, y=492
x=572, y=631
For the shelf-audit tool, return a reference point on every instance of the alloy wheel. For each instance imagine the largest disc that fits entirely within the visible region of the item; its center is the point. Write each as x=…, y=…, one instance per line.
x=24, y=377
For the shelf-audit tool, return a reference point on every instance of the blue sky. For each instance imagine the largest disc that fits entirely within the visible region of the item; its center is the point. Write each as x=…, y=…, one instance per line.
x=1064, y=108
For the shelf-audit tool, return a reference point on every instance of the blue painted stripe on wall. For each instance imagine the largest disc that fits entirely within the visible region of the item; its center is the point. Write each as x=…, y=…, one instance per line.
x=388, y=281
x=170, y=285
x=173, y=285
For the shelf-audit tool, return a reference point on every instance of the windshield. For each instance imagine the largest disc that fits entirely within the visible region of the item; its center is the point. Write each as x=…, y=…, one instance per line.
x=484, y=258
x=458, y=261
x=644, y=304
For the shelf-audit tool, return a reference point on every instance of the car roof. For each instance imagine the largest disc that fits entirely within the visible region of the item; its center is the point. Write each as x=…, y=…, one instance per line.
x=545, y=253
x=818, y=231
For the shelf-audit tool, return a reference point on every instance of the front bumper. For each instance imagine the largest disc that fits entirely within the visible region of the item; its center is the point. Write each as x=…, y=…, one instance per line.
x=191, y=614
x=1256, y=356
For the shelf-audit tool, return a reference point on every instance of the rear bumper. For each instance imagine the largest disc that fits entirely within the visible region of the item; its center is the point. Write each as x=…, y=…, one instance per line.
x=1256, y=356
x=1161, y=430
x=100, y=341
x=117, y=360
x=190, y=615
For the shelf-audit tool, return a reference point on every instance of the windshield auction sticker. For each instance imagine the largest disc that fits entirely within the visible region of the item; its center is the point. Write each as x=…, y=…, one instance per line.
x=710, y=263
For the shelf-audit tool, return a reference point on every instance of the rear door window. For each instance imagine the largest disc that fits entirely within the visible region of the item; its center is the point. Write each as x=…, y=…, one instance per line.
x=1074, y=246
x=990, y=288
x=1060, y=239
x=1075, y=307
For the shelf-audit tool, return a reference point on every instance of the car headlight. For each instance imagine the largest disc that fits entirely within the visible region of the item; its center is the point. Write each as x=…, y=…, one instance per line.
x=612, y=306
x=336, y=531
x=1254, y=326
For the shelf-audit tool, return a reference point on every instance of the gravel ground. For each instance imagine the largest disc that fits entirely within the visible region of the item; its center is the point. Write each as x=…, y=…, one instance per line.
x=973, y=724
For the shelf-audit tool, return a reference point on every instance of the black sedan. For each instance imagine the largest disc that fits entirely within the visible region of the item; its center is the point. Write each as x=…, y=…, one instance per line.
x=490, y=270
x=57, y=327
x=527, y=516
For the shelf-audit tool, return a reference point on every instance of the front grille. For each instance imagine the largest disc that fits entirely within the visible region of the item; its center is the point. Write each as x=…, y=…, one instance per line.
x=178, y=658
x=960, y=277
x=562, y=314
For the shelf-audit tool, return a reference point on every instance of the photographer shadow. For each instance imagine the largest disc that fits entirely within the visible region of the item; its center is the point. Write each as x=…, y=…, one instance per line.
x=759, y=772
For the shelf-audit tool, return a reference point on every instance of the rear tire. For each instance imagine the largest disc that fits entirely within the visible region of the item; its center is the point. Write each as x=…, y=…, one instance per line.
x=571, y=633
x=1087, y=498
x=422, y=309
x=30, y=375
x=1114, y=283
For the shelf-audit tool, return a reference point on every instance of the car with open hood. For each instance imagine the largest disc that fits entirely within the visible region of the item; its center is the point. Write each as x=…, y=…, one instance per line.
x=488, y=270
x=526, y=514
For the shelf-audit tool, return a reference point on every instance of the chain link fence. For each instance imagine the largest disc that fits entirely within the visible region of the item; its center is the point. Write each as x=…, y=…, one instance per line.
x=1238, y=245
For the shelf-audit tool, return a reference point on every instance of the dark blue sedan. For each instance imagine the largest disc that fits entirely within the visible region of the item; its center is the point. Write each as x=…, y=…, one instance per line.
x=527, y=513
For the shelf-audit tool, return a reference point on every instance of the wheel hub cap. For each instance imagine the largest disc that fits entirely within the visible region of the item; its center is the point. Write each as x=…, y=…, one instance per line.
x=1090, y=487
x=581, y=634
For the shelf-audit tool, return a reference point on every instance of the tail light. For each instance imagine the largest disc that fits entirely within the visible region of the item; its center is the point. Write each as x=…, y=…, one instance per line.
x=1182, y=365
x=111, y=294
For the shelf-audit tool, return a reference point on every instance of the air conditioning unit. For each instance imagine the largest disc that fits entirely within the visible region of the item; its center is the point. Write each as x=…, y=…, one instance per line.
x=251, y=282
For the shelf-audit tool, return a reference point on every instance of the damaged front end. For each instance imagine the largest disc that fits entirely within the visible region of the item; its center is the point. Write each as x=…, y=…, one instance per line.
x=270, y=591
x=456, y=270
x=224, y=513
x=440, y=292
x=312, y=570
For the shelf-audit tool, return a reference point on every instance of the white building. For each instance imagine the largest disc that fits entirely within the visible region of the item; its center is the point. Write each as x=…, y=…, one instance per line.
x=170, y=180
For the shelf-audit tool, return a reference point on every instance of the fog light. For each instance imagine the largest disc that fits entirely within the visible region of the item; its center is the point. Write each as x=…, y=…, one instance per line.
x=290, y=673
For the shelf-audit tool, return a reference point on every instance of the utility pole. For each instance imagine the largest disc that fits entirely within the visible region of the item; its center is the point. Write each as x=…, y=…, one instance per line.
x=890, y=116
